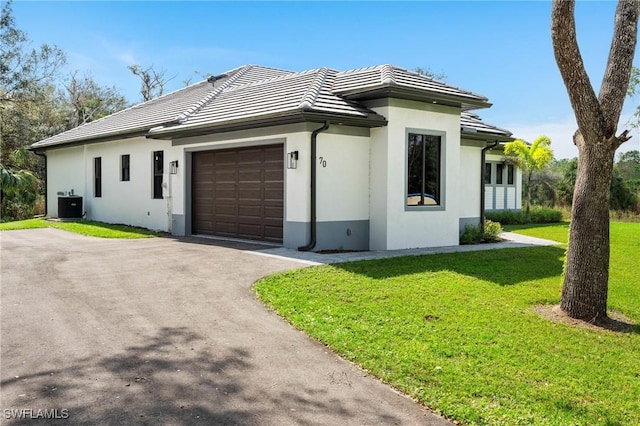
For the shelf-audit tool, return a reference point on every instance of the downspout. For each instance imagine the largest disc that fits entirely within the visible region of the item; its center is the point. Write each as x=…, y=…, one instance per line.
x=46, y=189
x=482, y=176
x=314, y=143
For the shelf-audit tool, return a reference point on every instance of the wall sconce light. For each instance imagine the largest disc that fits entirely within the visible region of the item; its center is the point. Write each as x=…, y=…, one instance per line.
x=292, y=163
x=173, y=167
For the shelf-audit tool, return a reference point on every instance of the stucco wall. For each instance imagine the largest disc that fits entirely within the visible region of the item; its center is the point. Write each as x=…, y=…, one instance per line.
x=419, y=227
x=128, y=202
x=470, y=182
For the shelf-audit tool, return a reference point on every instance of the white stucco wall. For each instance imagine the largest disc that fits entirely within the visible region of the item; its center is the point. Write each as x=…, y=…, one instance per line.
x=129, y=202
x=470, y=182
x=418, y=227
x=342, y=178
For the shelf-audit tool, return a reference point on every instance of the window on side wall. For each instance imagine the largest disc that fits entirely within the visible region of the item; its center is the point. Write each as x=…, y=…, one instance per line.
x=97, y=177
x=158, y=170
x=499, y=173
x=487, y=173
x=125, y=175
x=424, y=182
x=510, y=174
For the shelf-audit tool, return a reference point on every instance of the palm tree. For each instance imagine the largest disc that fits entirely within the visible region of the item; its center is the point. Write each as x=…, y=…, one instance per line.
x=530, y=158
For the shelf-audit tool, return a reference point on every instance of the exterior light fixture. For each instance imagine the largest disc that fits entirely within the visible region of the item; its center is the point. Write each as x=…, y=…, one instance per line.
x=292, y=162
x=173, y=167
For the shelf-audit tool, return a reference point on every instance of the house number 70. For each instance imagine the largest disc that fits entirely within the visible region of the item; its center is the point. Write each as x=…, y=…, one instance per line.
x=323, y=162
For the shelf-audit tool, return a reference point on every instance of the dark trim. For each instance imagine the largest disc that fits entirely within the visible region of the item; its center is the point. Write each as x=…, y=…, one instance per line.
x=80, y=142
x=412, y=94
x=314, y=143
x=373, y=120
x=483, y=154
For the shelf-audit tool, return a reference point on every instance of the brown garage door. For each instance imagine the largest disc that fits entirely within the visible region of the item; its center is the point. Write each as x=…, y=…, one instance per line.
x=239, y=192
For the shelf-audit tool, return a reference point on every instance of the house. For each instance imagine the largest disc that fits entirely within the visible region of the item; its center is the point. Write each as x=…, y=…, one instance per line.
x=376, y=158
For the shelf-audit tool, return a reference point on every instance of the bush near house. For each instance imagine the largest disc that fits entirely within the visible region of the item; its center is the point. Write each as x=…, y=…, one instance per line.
x=536, y=215
x=472, y=234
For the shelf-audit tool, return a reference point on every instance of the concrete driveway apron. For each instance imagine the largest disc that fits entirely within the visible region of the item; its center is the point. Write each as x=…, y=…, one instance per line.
x=164, y=331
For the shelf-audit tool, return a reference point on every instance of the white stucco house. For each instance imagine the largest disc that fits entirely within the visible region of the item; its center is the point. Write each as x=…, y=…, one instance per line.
x=377, y=158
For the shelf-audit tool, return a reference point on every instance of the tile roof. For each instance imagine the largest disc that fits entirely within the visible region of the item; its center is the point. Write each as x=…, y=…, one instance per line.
x=363, y=83
x=472, y=123
x=138, y=119
x=254, y=94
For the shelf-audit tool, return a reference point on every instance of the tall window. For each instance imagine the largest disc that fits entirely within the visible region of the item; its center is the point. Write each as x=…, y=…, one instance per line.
x=124, y=168
x=510, y=174
x=424, y=171
x=97, y=177
x=487, y=173
x=499, y=173
x=158, y=169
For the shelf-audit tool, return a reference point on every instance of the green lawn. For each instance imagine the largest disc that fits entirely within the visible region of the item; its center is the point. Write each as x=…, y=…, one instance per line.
x=84, y=227
x=458, y=331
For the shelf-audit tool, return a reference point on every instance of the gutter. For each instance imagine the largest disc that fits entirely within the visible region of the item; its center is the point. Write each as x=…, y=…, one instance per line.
x=483, y=156
x=46, y=189
x=314, y=143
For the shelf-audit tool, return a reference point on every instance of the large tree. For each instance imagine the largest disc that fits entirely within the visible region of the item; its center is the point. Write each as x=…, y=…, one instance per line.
x=586, y=279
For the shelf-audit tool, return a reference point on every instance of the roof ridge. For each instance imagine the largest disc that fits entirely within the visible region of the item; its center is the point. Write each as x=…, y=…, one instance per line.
x=211, y=95
x=387, y=74
x=309, y=98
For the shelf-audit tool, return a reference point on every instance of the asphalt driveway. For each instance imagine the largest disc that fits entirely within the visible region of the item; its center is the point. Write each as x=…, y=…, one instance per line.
x=163, y=331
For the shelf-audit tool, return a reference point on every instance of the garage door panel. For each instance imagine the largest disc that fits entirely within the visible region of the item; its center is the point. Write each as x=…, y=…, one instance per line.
x=239, y=193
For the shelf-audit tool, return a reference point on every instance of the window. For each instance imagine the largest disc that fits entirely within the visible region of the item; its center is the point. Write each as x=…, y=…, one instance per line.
x=510, y=174
x=424, y=170
x=487, y=173
x=158, y=169
x=97, y=177
x=124, y=168
x=499, y=173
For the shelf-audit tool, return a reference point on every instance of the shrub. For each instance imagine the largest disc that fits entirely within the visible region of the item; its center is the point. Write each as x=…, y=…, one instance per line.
x=492, y=230
x=472, y=234
x=536, y=215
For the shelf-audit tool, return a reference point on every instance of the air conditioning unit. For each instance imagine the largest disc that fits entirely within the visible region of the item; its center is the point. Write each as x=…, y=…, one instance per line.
x=70, y=207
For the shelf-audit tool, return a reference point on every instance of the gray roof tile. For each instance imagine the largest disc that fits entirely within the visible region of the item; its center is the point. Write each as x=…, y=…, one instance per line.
x=472, y=122
x=359, y=82
x=259, y=93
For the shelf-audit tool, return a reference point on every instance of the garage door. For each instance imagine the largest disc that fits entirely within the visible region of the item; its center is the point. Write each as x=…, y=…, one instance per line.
x=239, y=192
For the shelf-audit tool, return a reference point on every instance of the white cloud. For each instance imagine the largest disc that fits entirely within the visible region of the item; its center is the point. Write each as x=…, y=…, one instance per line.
x=561, y=134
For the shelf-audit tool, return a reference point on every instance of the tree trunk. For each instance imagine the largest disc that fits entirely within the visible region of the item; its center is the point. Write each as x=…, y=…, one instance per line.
x=586, y=279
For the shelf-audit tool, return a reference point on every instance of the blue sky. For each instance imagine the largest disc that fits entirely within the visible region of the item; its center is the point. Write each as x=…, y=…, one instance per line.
x=499, y=49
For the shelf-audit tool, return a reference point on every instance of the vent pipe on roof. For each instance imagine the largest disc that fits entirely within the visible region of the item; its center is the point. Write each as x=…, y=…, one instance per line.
x=483, y=156
x=314, y=143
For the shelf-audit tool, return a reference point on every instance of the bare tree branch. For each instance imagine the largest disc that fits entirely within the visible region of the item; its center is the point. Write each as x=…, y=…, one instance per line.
x=615, y=82
x=567, y=53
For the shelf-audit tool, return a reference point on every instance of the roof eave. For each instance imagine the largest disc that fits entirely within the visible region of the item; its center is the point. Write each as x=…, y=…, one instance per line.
x=373, y=120
x=83, y=141
x=400, y=92
x=486, y=136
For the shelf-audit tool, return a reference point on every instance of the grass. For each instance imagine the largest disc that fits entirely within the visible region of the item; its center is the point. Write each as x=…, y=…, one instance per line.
x=458, y=331
x=84, y=227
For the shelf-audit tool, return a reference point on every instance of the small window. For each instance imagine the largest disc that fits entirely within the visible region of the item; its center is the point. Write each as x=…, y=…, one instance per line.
x=510, y=174
x=424, y=170
x=499, y=173
x=124, y=168
x=158, y=170
x=487, y=173
x=97, y=177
